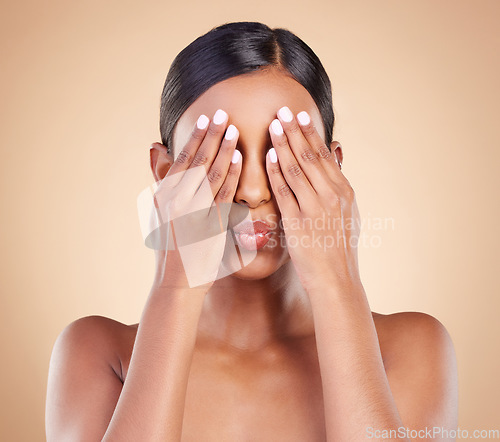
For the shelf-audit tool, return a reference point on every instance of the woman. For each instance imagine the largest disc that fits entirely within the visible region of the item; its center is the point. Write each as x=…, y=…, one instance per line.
x=263, y=332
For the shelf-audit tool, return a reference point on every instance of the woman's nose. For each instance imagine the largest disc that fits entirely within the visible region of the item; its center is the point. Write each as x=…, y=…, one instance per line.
x=253, y=187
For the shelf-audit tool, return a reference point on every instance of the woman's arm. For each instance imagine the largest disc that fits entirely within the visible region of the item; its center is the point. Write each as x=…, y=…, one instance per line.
x=355, y=386
x=321, y=222
x=83, y=390
x=151, y=404
x=359, y=402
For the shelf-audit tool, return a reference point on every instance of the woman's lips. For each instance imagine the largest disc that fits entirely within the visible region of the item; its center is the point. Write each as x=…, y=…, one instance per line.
x=252, y=235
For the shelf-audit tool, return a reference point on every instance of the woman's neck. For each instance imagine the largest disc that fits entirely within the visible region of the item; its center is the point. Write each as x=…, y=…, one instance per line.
x=248, y=315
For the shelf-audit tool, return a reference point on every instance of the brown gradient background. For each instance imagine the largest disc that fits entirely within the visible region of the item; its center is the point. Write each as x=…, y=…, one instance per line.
x=416, y=96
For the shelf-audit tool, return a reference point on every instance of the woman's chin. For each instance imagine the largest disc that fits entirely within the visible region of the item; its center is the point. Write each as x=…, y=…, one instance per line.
x=252, y=264
x=262, y=265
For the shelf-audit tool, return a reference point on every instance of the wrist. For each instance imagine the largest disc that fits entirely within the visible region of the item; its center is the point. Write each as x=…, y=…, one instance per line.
x=333, y=284
x=180, y=292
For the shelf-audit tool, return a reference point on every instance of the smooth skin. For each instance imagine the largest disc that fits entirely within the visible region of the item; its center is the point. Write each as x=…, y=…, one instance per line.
x=286, y=348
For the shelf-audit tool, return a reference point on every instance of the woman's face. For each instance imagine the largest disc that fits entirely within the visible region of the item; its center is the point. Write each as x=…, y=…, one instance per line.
x=252, y=102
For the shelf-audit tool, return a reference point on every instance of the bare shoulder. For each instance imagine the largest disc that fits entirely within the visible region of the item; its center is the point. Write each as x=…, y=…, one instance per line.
x=420, y=361
x=406, y=321
x=409, y=335
x=95, y=326
x=84, y=379
x=102, y=336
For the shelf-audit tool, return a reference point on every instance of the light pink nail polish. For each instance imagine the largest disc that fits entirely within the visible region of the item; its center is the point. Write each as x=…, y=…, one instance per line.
x=272, y=155
x=285, y=114
x=277, y=127
x=202, y=122
x=303, y=118
x=236, y=156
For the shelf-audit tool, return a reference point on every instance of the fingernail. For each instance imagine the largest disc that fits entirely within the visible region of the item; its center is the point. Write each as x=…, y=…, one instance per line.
x=272, y=155
x=236, y=156
x=303, y=118
x=285, y=114
x=277, y=127
x=219, y=116
x=202, y=122
x=230, y=132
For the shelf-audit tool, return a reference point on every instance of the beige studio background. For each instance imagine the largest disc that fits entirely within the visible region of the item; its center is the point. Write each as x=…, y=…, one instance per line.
x=415, y=89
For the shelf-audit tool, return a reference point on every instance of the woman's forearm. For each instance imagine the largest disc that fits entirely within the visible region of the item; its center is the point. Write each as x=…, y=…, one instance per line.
x=151, y=404
x=356, y=391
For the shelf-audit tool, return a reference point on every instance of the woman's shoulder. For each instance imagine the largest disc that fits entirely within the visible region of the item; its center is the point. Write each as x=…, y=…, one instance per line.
x=96, y=326
x=409, y=321
x=101, y=336
x=406, y=337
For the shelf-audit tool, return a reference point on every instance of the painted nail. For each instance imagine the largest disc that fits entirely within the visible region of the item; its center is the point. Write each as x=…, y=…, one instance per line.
x=285, y=114
x=236, y=156
x=202, y=122
x=277, y=127
x=272, y=155
x=303, y=118
x=230, y=132
x=219, y=116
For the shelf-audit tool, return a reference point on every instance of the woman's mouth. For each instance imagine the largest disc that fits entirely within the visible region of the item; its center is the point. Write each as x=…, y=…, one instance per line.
x=252, y=235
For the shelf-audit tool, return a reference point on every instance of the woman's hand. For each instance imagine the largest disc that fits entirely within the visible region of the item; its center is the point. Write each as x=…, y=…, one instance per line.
x=188, y=203
x=318, y=208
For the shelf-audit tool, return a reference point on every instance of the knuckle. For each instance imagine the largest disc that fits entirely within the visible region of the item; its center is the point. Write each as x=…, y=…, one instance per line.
x=284, y=190
x=294, y=170
x=200, y=159
x=198, y=134
x=214, y=129
x=226, y=146
x=308, y=155
x=214, y=175
x=183, y=157
x=294, y=129
x=275, y=169
x=225, y=192
x=281, y=141
x=308, y=130
x=324, y=152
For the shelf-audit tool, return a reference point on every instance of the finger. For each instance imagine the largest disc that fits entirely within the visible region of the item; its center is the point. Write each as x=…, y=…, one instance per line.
x=303, y=152
x=214, y=186
x=227, y=190
x=188, y=172
x=212, y=141
x=196, y=174
x=287, y=202
x=203, y=218
x=181, y=164
x=220, y=167
x=290, y=168
x=327, y=158
x=186, y=155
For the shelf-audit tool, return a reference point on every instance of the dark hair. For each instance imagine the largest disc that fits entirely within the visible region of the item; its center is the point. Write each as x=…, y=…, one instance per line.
x=233, y=49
